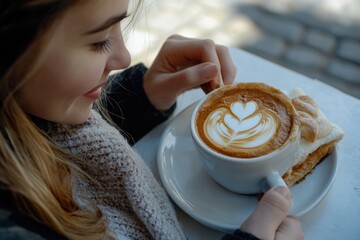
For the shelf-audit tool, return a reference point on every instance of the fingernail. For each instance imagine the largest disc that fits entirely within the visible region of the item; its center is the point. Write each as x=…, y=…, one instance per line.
x=284, y=191
x=209, y=71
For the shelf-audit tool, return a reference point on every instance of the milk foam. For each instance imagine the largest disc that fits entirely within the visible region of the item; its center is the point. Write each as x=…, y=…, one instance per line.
x=241, y=125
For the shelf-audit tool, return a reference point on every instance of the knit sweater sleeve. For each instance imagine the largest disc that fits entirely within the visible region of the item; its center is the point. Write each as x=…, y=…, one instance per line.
x=128, y=105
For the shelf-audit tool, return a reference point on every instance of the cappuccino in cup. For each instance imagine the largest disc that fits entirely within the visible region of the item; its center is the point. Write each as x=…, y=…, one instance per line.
x=247, y=135
x=245, y=121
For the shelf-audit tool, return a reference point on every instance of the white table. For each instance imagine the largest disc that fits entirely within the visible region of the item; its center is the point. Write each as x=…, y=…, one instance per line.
x=337, y=216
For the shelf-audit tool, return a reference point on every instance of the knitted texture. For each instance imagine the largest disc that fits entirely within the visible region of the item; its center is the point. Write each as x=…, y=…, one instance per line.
x=134, y=204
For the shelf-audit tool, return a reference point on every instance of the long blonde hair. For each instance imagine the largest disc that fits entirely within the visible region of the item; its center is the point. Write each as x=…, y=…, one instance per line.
x=37, y=173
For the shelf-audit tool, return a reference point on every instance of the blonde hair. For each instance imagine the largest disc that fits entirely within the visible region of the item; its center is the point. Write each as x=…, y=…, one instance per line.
x=39, y=174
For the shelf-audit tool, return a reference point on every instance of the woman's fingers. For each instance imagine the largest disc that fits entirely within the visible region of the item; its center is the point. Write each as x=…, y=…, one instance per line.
x=194, y=76
x=228, y=68
x=186, y=63
x=184, y=52
x=269, y=214
x=181, y=52
x=222, y=57
x=169, y=85
x=290, y=228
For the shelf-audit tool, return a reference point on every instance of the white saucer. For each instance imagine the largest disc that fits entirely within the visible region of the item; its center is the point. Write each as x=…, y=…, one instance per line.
x=189, y=186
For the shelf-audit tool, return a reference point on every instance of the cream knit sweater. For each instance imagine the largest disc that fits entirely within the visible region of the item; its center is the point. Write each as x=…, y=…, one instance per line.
x=133, y=203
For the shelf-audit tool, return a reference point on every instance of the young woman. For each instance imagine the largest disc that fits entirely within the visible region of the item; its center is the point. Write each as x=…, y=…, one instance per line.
x=67, y=170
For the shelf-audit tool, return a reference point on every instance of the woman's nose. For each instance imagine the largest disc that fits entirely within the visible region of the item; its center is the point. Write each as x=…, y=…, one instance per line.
x=120, y=57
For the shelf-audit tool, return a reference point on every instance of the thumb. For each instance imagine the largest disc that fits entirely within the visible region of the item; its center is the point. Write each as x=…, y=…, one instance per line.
x=268, y=215
x=214, y=79
x=196, y=75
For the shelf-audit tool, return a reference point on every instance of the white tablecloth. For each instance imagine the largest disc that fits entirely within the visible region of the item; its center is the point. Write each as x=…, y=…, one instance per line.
x=337, y=216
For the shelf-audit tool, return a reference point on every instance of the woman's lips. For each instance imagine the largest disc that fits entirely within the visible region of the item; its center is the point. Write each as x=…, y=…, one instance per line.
x=94, y=93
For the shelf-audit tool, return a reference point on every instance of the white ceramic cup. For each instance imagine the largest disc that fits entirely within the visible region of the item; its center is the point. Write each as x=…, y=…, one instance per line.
x=246, y=175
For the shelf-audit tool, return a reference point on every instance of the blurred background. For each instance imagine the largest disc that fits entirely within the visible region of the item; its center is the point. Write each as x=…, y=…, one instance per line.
x=320, y=39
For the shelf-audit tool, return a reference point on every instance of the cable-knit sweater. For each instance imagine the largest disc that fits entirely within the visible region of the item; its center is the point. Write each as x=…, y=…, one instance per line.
x=134, y=204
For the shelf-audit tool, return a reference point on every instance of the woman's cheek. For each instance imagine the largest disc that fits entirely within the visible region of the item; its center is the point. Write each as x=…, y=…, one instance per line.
x=91, y=76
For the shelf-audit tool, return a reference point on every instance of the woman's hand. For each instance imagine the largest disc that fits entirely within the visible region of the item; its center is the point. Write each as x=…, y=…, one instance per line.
x=186, y=63
x=270, y=219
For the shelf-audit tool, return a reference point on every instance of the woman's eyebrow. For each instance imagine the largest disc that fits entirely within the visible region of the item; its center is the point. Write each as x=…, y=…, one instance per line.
x=108, y=23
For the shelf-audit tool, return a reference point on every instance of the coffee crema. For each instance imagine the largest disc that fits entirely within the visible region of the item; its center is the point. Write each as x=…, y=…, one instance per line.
x=245, y=121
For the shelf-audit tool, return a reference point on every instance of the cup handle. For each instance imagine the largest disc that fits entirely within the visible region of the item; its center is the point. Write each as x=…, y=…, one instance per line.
x=273, y=180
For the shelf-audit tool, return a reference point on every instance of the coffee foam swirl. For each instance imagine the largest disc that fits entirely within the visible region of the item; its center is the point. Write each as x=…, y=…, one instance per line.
x=246, y=120
x=241, y=125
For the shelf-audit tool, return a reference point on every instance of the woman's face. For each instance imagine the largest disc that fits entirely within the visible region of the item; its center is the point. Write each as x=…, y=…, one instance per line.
x=87, y=44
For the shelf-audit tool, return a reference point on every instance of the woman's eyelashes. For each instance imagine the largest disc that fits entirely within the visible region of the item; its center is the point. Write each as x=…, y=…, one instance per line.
x=102, y=47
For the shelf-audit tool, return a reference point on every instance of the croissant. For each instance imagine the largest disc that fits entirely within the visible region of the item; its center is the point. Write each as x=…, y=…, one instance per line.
x=320, y=135
x=324, y=127
x=305, y=104
x=309, y=127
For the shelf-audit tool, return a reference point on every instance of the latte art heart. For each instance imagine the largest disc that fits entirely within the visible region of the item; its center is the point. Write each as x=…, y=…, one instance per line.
x=246, y=120
x=241, y=125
